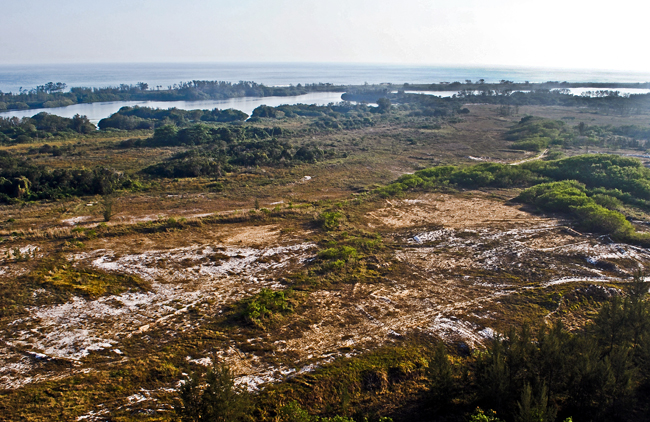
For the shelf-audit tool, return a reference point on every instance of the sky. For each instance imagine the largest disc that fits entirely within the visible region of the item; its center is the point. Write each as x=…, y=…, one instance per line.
x=552, y=33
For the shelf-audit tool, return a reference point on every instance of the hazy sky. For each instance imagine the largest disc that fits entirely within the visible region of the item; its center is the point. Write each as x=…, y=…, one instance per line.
x=550, y=33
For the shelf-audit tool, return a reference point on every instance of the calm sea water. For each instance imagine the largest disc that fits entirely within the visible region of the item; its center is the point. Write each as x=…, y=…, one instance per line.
x=14, y=77
x=101, y=75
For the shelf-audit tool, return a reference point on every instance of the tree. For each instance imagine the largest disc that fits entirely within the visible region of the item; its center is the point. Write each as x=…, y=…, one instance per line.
x=383, y=105
x=165, y=135
x=81, y=124
x=440, y=374
x=218, y=400
x=108, y=207
x=534, y=409
x=265, y=111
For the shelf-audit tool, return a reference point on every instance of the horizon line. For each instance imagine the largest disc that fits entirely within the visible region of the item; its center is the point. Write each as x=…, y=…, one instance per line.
x=335, y=63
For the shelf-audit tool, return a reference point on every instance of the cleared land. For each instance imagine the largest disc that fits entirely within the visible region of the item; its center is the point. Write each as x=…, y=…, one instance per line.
x=81, y=340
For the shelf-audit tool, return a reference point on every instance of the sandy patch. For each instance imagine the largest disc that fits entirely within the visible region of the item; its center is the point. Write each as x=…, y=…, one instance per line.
x=252, y=235
x=449, y=212
x=204, y=276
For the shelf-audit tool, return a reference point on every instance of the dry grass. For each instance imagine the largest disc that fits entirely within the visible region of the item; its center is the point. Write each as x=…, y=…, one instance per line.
x=484, y=265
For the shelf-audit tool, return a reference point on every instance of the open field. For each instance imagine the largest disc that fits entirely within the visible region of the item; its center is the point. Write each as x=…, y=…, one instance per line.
x=101, y=321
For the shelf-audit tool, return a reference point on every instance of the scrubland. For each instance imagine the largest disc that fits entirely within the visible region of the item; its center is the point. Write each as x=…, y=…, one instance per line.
x=314, y=281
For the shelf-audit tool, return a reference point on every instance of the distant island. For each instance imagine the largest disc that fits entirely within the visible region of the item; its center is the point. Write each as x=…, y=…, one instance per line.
x=53, y=94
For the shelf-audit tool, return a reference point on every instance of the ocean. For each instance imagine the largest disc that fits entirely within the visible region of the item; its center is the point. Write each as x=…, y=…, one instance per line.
x=15, y=77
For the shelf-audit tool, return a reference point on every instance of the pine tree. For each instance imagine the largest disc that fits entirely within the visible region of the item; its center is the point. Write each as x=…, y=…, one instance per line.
x=441, y=380
x=220, y=400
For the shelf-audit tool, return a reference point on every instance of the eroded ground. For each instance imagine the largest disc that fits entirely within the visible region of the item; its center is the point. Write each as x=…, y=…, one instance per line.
x=456, y=266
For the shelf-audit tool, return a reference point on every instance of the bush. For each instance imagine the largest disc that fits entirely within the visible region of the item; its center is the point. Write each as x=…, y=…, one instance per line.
x=607, y=201
x=556, y=196
x=266, y=305
x=598, y=219
x=343, y=253
x=570, y=197
x=292, y=412
x=330, y=220
x=484, y=416
x=108, y=207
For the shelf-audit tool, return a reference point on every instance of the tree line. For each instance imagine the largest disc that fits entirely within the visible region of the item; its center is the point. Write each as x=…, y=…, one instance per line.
x=53, y=94
x=42, y=126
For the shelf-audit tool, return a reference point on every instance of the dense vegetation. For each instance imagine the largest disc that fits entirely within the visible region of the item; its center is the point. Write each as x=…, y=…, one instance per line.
x=506, y=96
x=54, y=95
x=42, y=126
x=341, y=116
x=535, y=134
x=20, y=180
x=215, y=160
x=132, y=118
x=590, y=187
x=506, y=85
x=598, y=374
x=221, y=149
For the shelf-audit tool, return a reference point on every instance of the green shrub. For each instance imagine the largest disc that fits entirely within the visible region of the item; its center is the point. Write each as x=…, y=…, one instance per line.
x=484, y=416
x=436, y=172
x=330, y=220
x=595, y=218
x=344, y=253
x=292, y=412
x=607, y=201
x=267, y=304
x=335, y=259
x=411, y=180
x=394, y=189
x=569, y=196
x=556, y=196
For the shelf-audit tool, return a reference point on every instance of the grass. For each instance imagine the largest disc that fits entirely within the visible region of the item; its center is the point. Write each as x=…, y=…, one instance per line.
x=61, y=276
x=267, y=306
x=59, y=280
x=370, y=385
x=355, y=265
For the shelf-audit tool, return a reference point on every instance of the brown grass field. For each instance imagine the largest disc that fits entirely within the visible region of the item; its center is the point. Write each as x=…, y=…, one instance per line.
x=101, y=322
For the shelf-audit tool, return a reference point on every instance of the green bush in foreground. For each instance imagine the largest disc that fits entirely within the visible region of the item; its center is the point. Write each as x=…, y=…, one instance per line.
x=334, y=259
x=292, y=412
x=484, y=416
x=265, y=305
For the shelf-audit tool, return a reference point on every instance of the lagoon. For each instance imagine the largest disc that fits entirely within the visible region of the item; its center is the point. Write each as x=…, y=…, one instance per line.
x=97, y=111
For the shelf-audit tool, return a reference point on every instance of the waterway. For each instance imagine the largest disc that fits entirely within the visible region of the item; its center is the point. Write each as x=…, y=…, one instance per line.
x=97, y=111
